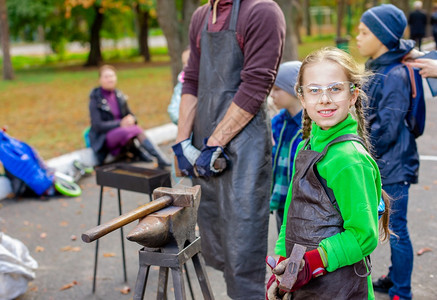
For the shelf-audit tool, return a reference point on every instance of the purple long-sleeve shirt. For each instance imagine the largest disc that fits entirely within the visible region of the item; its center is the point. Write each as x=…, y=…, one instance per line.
x=260, y=34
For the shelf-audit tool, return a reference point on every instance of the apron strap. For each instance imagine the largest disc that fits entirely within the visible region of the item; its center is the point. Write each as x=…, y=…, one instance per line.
x=205, y=26
x=234, y=15
x=343, y=138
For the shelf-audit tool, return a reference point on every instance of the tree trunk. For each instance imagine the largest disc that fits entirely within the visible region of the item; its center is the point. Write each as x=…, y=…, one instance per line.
x=307, y=16
x=8, y=71
x=175, y=26
x=403, y=5
x=95, y=55
x=340, y=17
x=298, y=18
x=291, y=40
x=427, y=7
x=143, y=34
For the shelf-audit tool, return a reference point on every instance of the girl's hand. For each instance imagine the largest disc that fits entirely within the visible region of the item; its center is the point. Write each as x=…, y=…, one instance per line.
x=273, y=290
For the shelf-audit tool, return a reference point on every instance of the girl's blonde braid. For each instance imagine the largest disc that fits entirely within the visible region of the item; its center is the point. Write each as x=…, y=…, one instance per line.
x=362, y=123
x=306, y=125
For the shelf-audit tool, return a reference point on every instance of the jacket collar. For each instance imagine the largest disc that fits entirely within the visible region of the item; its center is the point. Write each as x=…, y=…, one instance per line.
x=391, y=56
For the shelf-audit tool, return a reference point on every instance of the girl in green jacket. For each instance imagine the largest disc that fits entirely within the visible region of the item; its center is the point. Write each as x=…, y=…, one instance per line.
x=332, y=202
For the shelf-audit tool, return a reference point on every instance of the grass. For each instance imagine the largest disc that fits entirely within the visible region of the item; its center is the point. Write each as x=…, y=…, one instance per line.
x=47, y=104
x=48, y=107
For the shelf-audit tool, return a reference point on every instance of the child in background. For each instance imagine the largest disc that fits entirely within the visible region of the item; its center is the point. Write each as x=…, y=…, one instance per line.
x=287, y=134
x=173, y=107
x=332, y=203
x=389, y=92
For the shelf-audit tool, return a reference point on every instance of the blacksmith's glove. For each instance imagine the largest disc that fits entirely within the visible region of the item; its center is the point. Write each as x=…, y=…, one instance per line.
x=205, y=162
x=273, y=292
x=312, y=266
x=186, y=155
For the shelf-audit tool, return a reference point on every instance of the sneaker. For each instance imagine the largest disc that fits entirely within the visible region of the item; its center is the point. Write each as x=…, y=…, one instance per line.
x=383, y=284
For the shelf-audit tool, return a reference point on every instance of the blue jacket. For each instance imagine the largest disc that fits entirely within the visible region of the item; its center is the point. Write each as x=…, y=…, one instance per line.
x=394, y=146
x=287, y=135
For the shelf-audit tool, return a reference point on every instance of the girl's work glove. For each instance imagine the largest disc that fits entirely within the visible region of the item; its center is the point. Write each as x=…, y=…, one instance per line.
x=273, y=290
x=186, y=155
x=205, y=162
x=312, y=266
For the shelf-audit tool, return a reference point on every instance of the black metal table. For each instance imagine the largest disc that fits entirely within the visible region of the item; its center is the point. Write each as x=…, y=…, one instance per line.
x=123, y=176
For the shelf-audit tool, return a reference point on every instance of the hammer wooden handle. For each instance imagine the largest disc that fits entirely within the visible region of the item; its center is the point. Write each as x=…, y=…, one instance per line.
x=105, y=228
x=219, y=164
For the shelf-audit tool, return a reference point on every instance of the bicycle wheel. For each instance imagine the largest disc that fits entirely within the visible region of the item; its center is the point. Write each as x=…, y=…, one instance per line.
x=66, y=188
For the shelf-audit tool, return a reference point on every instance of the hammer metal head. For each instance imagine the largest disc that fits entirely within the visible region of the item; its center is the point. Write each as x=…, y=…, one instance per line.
x=186, y=197
x=170, y=227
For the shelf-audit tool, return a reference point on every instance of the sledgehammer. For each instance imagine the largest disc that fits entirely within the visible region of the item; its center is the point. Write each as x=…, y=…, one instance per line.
x=168, y=196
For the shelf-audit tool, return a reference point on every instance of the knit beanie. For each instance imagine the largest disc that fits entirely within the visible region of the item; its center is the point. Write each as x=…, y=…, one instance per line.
x=387, y=23
x=287, y=75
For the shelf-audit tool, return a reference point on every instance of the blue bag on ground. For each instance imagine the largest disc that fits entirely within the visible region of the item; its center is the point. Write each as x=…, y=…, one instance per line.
x=23, y=162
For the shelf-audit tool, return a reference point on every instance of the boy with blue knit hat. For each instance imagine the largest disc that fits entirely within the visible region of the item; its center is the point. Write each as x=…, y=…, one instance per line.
x=389, y=92
x=286, y=130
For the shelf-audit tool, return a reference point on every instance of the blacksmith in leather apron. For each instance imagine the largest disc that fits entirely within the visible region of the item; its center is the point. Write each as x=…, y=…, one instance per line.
x=234, y=210
x=311, y=218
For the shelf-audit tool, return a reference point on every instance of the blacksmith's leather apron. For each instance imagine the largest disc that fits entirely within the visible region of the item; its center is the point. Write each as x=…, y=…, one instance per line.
x=234, y=209
x=311, y=218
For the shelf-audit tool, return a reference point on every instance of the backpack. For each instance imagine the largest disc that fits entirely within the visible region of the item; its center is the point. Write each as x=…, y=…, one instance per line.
x=416, y=115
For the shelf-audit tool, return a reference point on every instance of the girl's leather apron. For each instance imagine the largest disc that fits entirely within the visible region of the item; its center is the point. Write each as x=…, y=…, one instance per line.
x=234, y=209
x=311, y=218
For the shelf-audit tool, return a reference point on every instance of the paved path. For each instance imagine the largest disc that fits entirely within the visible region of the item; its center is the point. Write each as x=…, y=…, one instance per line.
x=76, y=47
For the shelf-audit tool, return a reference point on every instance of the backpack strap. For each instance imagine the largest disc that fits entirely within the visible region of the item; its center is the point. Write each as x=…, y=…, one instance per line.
x=410, y=73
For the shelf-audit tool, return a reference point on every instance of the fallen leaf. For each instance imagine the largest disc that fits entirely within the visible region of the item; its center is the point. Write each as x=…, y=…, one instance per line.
x=424, y=250
x=73, y=237
x=426, y=187
x=69, y=285
x=435, y=181
x=33, y=289
x=26, y=223
x=63, y=224
x=70, y=248
x=43, y=235
x=39, y=249
x=125, y=290
x=109, y=254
